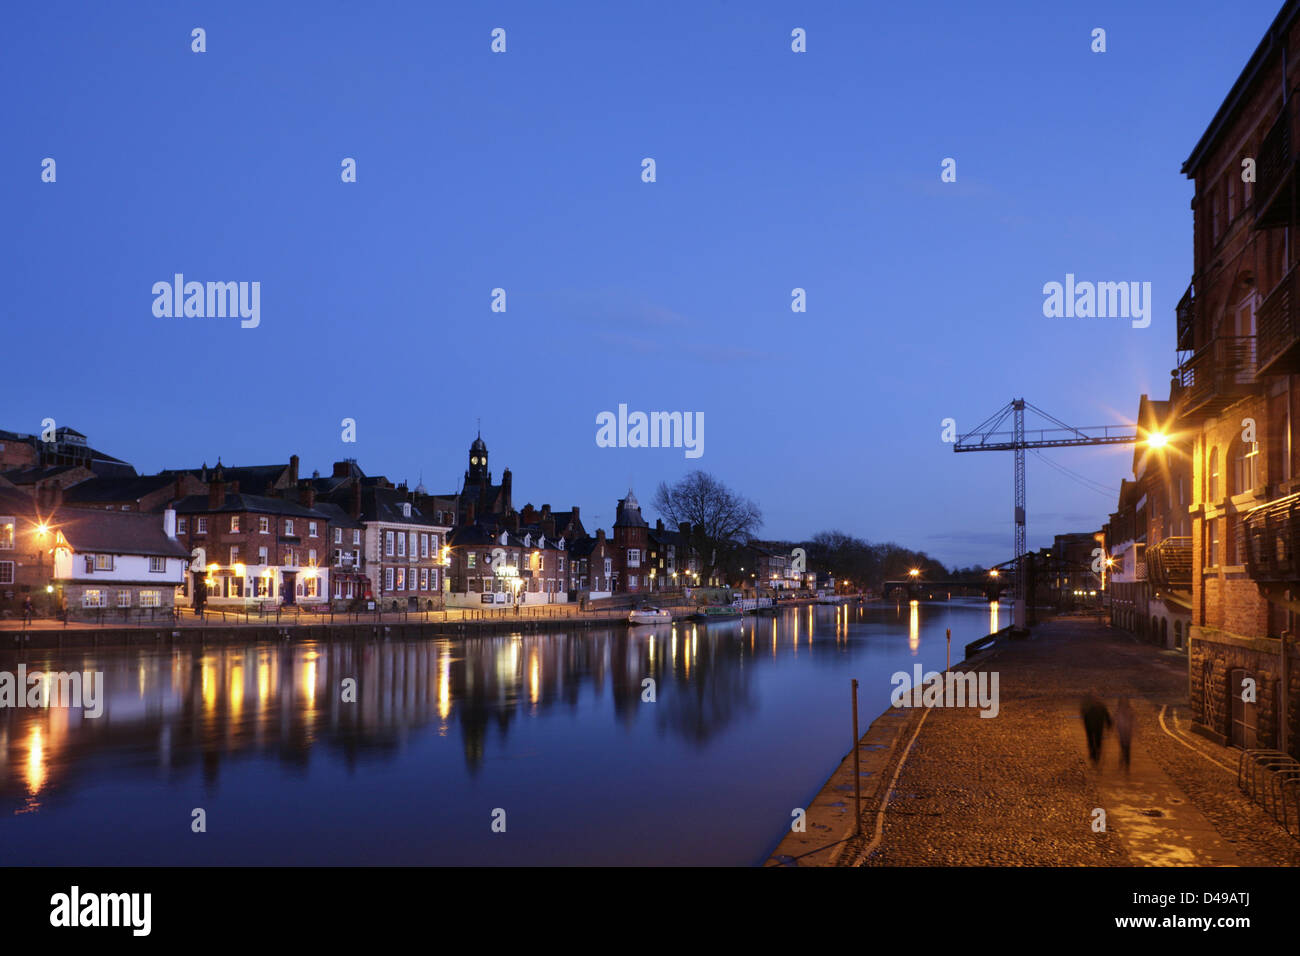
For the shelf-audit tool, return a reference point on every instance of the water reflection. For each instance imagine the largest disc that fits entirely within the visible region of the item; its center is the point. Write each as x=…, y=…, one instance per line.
x=225, y=714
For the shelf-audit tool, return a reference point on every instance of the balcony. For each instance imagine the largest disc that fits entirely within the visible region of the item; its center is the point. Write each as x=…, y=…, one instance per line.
x=1169, y=564
x=1273, y=541
x=1217, y=375
x=1186, y=313
x=1275, y=172
x=1278, y=326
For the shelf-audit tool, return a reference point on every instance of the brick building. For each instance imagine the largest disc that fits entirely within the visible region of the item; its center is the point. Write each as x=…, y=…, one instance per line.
x=1238, y=336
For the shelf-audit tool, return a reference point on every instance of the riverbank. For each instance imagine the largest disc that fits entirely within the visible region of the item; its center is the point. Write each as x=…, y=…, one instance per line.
x=219, y=626
x=944, y=787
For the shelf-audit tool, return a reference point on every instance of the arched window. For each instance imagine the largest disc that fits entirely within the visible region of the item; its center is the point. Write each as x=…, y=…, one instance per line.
x=1212, y=477
x=1245, y=466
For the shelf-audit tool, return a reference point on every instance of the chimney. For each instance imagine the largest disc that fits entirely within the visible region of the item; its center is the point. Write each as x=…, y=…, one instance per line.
x=233, y=489
x=575, y=512
x=341, y=469
x=600, y=534
x=216, y=492
x=355, y=510
x=659, y=524
x=307, y=495
x=293, y=470
x=169, y=523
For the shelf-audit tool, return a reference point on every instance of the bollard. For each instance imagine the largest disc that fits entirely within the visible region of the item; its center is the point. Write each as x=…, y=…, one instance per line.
x=857, y=773
x=948, y=658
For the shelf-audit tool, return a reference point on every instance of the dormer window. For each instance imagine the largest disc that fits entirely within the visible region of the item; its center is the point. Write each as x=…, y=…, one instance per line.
x=406, y=509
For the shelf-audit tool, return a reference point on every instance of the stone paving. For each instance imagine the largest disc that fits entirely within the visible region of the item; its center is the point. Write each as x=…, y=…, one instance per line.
x=1018, y=789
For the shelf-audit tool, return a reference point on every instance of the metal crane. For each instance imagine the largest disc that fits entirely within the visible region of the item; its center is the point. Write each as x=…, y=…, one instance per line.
x=986, y=437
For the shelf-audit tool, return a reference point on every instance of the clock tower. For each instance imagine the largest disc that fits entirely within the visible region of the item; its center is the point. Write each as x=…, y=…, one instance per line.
x=478, y=463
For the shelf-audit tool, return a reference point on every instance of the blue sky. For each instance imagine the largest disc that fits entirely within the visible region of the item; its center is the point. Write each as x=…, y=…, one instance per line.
x=522, y=171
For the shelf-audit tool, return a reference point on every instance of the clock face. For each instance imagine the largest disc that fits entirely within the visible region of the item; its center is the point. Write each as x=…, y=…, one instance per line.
x=474, y=460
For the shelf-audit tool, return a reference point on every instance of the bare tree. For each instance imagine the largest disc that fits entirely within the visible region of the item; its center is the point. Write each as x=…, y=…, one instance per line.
x=720, y=518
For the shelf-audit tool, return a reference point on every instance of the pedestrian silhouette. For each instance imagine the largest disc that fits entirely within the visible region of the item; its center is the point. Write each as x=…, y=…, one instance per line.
x=1124, y=729
x=1096, y=718
x=27, y=610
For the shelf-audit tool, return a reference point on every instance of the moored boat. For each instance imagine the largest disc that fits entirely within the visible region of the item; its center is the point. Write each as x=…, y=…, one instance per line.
x=717, y=612
x=650, y=615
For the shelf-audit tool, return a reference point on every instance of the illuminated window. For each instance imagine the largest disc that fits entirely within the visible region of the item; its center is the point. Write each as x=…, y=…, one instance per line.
x=151, y=599
x=123, y=598
x=103, y=562
x=234, y=522
x=92, y=597
x=263, y=525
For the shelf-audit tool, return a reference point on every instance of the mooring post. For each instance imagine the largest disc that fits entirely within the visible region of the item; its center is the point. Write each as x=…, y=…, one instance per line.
x=857, y=773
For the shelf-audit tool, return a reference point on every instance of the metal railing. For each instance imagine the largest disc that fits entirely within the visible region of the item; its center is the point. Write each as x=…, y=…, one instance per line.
x=1272, y=779
x=1273, y=540
x=1169, y=564
x=1277, y=325
x=1219, y=372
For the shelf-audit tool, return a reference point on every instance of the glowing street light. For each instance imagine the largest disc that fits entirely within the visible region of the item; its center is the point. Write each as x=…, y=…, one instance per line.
x=1157, y=439
x=915, y=572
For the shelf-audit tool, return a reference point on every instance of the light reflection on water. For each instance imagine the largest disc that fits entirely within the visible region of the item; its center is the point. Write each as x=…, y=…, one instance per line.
x=748, y=719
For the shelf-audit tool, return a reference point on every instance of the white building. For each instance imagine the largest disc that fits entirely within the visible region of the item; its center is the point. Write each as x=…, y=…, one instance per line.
x=120, y=564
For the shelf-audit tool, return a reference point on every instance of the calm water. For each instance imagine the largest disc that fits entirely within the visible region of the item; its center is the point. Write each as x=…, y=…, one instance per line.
x=750, y=718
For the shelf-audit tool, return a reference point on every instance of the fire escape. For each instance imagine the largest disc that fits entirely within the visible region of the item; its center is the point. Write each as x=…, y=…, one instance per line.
x=1273, y=529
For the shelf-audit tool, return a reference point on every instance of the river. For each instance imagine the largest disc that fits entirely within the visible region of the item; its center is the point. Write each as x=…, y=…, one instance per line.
x=524, y=750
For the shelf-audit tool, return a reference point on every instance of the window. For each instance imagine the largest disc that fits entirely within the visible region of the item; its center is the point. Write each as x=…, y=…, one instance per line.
x=401, y=545
x=234, y=554
x=200, y=525
x=6, y=572
x=561, y=566
x=338, y=535
x=234, y=522
x=609, y=567
x=1212, y=485
x=261, y=555
x=311, y=529
x=388, y=579
x=263, y=525
x=313, y=587
x=1212, y=545
x=261, y=587
x=388, y=543
x=123, y=598
x=103, y=562
x=288, y=526
x=356, y=536
x=406, y=509
x=159, y=565
x=471, y=559
x=1245, y=466
x=288, y=558
x=151, y=599
x=338, y=590
x=631, y=580
x=92, y=597
x=1238, y=539
x=311, y=557
x=401, y=579
x=433, y=543
x=433, y=579
x=414, y=541
x=182, y=525
x=424, y=545
x=424, y=579
x=634, y=557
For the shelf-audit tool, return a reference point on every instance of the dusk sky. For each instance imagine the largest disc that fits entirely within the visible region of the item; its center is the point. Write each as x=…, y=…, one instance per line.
x=523, y=171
